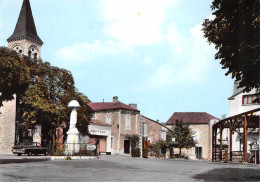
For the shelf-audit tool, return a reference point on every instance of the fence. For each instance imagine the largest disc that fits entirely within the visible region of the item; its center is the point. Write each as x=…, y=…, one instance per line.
x=75, y=149
x=237, y=156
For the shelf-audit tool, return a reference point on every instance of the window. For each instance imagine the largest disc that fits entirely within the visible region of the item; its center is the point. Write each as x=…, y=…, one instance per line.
x=248, y=99
x=198, y=152
x=108, y=119
x=128, y=121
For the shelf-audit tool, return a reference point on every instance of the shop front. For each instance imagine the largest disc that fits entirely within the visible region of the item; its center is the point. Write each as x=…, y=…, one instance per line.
x=100, y=135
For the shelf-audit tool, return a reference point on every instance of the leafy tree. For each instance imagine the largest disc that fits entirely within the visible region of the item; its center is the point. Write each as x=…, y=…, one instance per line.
x=158, y=147
x=45, y=100
x=14, y=75
x=235, y=31
x=184, y=136
x=84, y=113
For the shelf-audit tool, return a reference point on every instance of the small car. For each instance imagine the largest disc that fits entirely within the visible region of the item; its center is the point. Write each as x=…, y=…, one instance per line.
x=33, y=149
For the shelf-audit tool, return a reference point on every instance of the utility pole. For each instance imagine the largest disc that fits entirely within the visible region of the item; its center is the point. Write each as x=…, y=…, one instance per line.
x=141, y=136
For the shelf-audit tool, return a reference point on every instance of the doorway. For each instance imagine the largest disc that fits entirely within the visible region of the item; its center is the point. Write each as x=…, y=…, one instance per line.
x=198, y=152
x=127, y=146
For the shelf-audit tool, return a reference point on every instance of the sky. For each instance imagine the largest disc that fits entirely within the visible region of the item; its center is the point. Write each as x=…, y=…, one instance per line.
x=148, y=52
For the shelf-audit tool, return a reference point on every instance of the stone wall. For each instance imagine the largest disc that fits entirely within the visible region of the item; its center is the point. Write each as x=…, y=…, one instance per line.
x=153, y=130
x=7, y=127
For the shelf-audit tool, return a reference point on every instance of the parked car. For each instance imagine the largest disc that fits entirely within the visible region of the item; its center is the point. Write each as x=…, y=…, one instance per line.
x=30, y=149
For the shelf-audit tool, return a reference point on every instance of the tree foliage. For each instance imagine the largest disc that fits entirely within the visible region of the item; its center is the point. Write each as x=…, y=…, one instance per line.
x=184, y=136
x=43, y=93
x=235, y=31
x=14, y=75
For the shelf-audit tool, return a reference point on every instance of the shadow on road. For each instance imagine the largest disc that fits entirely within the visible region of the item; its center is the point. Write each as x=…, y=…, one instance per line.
x=8, y=161
x=230, y=175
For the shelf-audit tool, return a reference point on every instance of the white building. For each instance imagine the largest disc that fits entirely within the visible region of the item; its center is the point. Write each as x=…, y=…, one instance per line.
x=239, y=103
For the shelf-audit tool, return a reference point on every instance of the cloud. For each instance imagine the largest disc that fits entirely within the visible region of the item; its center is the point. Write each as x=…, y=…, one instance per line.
x=88, y=52
x=127, y=24
x=174, y=38
x=191, y=67
x=148, y=61
x=135, y=22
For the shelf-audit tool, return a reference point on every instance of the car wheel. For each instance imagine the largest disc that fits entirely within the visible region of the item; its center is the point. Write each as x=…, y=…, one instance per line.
x=29, y=153
x=19, y=154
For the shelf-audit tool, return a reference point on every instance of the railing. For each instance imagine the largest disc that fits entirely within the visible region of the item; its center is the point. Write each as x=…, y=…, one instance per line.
x=237, y=156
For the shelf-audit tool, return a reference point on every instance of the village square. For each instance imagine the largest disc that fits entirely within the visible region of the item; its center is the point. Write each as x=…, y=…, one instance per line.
x=48, y=126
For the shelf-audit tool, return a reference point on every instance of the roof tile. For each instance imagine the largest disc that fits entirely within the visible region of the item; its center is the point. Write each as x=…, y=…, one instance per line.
x=25, y=26
x=190, y=117
x=110, y=106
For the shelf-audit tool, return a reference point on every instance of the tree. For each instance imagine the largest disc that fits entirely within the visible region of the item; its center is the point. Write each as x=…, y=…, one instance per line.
x=184, y=136
x=46, y=98
x=14, y=75
x=42, y=93
x=84, y=113
x=235, y=31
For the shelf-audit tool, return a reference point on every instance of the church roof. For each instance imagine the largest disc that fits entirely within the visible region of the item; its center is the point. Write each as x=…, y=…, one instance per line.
x=25, y=27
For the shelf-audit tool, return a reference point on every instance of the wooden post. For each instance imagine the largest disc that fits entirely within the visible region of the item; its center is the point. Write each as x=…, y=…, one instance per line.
x=220, y=144
x=245, y=140
x=213, y=146
x=230, y=141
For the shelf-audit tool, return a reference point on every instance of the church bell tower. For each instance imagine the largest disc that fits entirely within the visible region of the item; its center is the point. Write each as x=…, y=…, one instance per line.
x=25, y=40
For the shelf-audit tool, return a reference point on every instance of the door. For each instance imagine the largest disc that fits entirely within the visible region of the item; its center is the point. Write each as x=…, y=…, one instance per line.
x=127, y=146
x=198, y=152
x=102, y=144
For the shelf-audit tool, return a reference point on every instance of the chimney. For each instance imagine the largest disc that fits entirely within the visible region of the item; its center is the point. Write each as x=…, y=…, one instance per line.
x=133, y=105
x=115, y=99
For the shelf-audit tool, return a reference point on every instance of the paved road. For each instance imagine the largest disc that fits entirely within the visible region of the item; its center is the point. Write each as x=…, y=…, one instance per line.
x=123, y=168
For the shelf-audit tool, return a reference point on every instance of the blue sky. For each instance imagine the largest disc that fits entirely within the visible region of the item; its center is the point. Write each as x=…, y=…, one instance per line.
x=149, y=52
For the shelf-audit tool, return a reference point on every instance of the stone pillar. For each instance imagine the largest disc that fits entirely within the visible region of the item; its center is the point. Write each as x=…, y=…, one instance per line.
x=118, y=133
x=108, y=144
x=72, y=143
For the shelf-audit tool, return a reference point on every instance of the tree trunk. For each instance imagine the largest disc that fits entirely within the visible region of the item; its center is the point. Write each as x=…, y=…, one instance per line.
x=180, y=151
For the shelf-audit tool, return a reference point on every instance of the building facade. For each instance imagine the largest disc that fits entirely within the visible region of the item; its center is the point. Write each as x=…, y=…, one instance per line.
x=201, y=123
x=153, y=131
x=25, y=41
x=241, y=102
x=114, y=123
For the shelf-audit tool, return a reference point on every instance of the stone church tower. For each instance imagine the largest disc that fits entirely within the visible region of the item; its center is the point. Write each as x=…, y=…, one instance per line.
x=24, y=41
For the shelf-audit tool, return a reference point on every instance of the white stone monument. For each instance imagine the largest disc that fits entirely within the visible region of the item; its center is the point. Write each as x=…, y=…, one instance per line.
x=72, y=141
